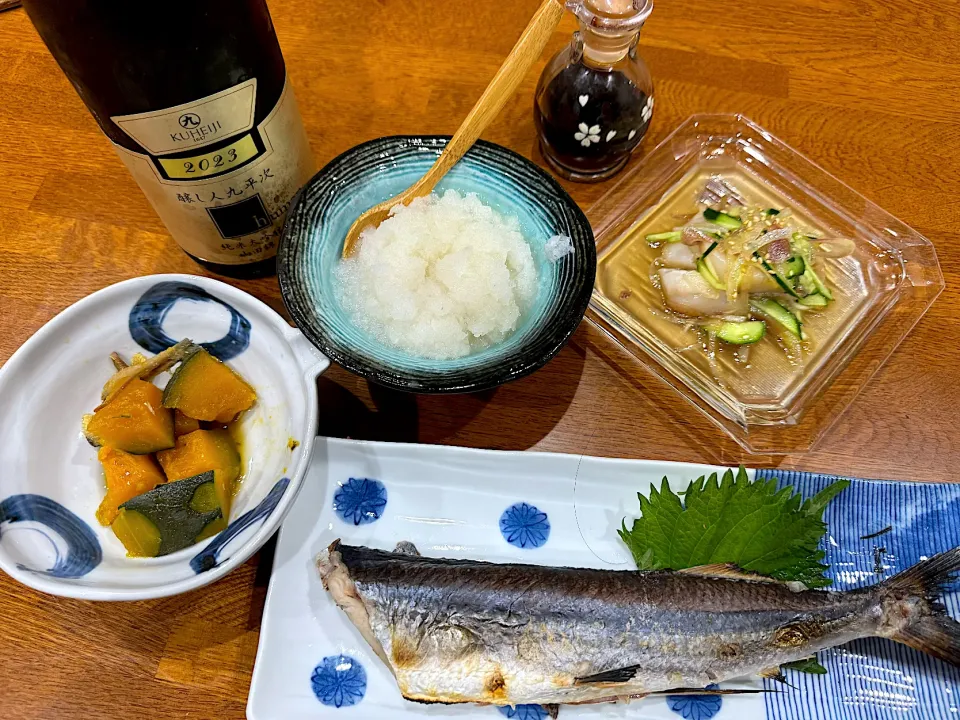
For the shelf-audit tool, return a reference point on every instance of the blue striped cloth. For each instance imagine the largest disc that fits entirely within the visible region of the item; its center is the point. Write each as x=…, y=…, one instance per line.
x=876, y=679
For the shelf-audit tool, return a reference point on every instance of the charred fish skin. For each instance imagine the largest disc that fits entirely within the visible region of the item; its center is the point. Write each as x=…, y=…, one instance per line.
x=469, y=631
x=459, y=631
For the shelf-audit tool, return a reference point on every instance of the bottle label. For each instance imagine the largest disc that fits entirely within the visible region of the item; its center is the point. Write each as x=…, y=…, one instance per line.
x=193, y=125
x=225, y=205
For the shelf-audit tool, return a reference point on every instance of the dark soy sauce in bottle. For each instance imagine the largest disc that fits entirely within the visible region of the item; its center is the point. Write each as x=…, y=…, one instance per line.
x=594, y=101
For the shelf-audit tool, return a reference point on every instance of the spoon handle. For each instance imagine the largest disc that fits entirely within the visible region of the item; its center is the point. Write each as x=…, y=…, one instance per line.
x=500, y=89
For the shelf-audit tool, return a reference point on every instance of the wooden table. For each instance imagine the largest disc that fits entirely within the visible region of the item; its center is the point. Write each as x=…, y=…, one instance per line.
x=868, y=89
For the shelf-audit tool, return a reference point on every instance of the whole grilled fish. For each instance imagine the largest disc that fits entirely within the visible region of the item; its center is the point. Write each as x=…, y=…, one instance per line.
x=455, y=631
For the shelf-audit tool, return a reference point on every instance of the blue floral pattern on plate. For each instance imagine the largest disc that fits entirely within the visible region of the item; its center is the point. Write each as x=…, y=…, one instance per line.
x=146, y=320
x=524, y=712
x=360, y=500
x=339, y=681
x=695, y=707
x=524, y=526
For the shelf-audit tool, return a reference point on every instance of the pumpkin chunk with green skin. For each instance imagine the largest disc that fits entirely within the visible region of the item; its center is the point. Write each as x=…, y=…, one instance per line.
x=134, y=420
x=182, y=425
x=201, y=451
x=138, y=534
x=170, y=517
x=204, y=388
x=127, y=476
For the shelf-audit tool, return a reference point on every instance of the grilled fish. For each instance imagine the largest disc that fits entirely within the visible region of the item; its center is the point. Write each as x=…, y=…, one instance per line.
x=455, y=631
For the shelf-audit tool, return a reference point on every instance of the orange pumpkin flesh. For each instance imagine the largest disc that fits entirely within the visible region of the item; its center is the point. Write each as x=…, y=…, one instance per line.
x=205, y=389
x=134, y=420
x=204, y=450
x=127, y=476
x=183, y=425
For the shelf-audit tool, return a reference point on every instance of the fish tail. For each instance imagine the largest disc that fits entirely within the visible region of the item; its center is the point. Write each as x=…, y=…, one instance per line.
x=918, y=617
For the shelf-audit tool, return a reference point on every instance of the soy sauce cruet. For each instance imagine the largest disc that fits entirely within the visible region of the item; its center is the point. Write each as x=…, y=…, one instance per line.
x=594, y=101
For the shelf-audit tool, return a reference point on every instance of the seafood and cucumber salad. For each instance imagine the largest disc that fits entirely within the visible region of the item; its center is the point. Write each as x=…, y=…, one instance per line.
x=739, y=271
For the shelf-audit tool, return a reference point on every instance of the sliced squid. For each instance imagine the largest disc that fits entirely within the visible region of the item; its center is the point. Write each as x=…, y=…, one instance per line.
x=687, y=292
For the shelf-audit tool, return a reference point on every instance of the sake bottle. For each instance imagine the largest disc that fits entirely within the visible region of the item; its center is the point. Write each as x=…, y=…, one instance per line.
x=196, y=101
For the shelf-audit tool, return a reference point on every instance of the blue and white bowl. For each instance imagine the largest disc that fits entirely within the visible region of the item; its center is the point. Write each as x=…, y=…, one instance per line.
x=51, y=482
x=375, y=171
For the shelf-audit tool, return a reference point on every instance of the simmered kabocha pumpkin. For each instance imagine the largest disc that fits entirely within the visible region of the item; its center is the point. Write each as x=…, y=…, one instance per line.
x=204, y=450
x=133, y=420
x=204, y=388
x=127, y=476
x=183, y=425
x=170, y=517
x=158, y=509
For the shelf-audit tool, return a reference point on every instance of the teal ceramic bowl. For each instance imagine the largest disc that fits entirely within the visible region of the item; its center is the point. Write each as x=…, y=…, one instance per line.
x=380, y=169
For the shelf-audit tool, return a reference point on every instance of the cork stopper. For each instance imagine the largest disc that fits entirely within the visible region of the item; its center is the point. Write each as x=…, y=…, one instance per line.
x=613, y=15
x=609, y=27
x=612, y=7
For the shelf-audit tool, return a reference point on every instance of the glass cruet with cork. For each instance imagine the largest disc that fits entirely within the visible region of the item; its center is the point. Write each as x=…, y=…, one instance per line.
x=594, y=101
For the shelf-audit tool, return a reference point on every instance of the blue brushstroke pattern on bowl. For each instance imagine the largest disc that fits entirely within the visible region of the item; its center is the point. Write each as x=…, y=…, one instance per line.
x=52, y=481
x=375, y=171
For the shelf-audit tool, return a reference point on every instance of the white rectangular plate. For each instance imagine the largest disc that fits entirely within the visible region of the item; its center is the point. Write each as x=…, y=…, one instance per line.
x=449, y=502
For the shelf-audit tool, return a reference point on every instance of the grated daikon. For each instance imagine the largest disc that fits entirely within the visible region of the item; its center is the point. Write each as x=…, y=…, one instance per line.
x=557, y=247
x=442, y=277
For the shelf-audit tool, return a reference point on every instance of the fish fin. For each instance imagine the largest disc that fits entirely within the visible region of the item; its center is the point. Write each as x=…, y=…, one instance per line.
x=935, y=635
x=617, y=675
x=773, y=673
x=931, y=630
x=676, y=691
x=552, y=710
x=405, y=547
x=735, y=572
x=611, y=699
x=711, y=691
x=928, y=578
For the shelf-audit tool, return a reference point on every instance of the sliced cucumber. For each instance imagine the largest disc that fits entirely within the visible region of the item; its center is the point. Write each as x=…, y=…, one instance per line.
x=809, y=280
x=721, y=219
x=738, y=333
x=792, y=267
x=805, y=282
x=800, y=244
x=713, y=246
x=779, y=314
x=814, y=301
x=818, y=284
x=773, y=211
x=782, y=281
x=706, y=272
x=669, y=237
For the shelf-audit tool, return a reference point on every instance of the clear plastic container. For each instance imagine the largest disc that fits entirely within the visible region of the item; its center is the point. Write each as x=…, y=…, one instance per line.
x=770, y=404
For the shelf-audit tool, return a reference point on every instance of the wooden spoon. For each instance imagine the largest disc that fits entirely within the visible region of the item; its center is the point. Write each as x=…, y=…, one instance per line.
x=504, y=83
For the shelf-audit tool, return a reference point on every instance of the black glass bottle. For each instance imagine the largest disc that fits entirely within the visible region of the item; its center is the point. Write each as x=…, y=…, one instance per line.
x=594, y=101
x=198, y=106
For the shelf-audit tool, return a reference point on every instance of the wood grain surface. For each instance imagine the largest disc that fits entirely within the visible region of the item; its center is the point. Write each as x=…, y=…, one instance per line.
x=866, y=88
x=501, y=90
